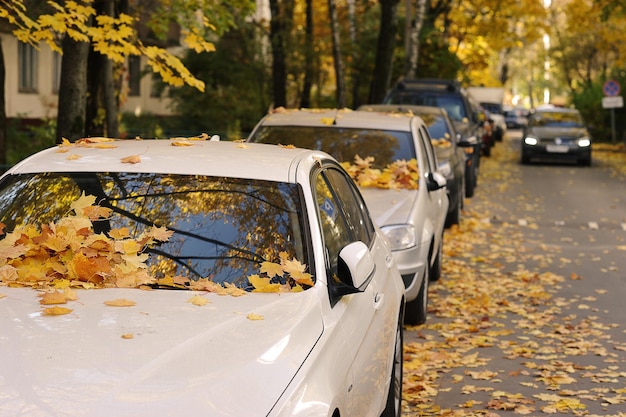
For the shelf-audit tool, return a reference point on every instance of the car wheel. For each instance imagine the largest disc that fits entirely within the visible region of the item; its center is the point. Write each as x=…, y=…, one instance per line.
x=585, y=162
x=417, y=310
x=394, y=396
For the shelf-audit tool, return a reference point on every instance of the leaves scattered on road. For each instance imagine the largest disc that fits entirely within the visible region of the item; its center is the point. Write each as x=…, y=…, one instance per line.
x=488, y=305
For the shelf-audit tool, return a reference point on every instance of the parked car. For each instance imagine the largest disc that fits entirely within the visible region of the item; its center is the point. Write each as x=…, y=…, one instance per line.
x=448, y=148
x=391, y=158
x=195, y=278
x=516, y=118
x=491, y=99
x=555, y=132
x=461, y=108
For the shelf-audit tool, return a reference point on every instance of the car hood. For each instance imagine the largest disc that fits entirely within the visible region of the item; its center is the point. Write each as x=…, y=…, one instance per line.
x=164, y=356
x=389, y=207
x=554, y=132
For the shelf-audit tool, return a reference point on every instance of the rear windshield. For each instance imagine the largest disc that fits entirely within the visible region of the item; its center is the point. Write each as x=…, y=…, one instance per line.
x=452, y=103
x=556, y=119
x=223, y=228
x=386, y=146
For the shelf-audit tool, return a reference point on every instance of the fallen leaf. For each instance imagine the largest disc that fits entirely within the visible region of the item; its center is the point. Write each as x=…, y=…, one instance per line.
x=253, y=316
x=120, y=302
x=56, y=311
x=133, y=159
x=198, y=300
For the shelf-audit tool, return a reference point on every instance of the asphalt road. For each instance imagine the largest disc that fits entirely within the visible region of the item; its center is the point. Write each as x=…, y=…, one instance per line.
x=529, y=317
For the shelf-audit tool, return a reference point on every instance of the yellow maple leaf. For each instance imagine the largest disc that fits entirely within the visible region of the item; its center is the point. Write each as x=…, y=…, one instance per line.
x=73, y=157
x=120, y=302
x=56, y=311
x=272, y=269
x=263, y=284
x=133, y=159
x=83, y=202
x=127, y=336
x=54, y=297
x=181, y=143
x=253, y=316
x=120, y=233
x=296, y=271
x=198, y=300
x=161, y=234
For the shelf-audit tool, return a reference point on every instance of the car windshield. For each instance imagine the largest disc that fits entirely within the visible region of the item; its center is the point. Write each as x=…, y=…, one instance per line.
x=452, y=103
x=385, y=146
x=437, y=127
x=556, y=119
x=223, y=228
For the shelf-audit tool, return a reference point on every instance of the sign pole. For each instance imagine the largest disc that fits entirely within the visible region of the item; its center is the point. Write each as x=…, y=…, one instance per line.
x=613, y=126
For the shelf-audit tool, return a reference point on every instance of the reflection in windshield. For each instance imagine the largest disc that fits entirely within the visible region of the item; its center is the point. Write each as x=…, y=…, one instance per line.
x=223, y=227
x=343, y=144
x=556, y=119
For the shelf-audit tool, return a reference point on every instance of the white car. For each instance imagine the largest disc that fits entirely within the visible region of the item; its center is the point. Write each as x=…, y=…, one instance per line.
x=194, y=278
x=371, y=143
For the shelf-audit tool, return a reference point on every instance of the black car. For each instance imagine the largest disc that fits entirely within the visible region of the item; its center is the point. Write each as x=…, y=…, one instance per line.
x=449, y=95
x=556, y=133
x=448, y=148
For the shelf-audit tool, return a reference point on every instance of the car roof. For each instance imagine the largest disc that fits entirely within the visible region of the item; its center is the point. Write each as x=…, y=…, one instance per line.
x=185, y=157
x=340, y=118
x=413, y=108
x=553, y=109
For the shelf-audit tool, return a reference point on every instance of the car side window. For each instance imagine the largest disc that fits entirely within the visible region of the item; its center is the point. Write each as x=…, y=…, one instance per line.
x=352, y=204
x=335, y=229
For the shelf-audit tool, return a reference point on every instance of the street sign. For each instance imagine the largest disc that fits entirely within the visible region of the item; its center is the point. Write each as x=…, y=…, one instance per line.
x=611, y=88
x=613, y=102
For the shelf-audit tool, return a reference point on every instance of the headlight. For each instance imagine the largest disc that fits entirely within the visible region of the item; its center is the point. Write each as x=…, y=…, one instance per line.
x=401, y=236
x=584, y=142
x=530, y=140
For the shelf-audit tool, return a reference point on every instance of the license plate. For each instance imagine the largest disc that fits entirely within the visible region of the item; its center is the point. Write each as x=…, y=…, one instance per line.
x=557, y=148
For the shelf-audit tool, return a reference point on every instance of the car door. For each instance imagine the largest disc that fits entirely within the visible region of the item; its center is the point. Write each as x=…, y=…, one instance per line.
x=438, y=198
x=363, y=317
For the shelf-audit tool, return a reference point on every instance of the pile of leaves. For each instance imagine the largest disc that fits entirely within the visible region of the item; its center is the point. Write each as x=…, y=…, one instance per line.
x=68, y=254
x=400, y=174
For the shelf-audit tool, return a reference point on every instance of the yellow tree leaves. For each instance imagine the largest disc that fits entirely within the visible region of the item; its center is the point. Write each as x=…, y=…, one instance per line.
x=69, y=251
x=399, y=174
x=114, y=37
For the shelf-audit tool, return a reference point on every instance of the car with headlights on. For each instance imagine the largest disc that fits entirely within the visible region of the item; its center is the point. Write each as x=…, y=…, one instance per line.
x=448, y=148
x=556, y=133
x=194, y=277
x=391, y=158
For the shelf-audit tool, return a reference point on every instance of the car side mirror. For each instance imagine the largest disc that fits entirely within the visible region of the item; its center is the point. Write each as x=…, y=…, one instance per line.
x=435, y=181
x=355, y=269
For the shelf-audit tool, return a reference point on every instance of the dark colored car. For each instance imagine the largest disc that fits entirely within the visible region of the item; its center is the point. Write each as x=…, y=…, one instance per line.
x=516, y=118
x=556, y=133
x=449, y=95
x=447, y=146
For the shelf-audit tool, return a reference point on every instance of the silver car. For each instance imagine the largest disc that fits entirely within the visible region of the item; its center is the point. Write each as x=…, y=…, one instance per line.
x=371, y=144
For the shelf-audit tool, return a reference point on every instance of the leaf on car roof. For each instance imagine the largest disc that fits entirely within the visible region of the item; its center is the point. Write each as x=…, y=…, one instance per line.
x=54, y=297
x=181, y=143
x=73, y=157
x=198, y=300
x=133, y=159
x=120, y=302
x=253, y=317
x=56, y=311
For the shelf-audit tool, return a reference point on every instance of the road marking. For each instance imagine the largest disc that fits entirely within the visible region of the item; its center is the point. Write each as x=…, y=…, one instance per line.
x=593, y=225
x=522, y=222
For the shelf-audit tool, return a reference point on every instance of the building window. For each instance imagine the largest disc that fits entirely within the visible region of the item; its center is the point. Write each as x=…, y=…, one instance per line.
x=28, y=63
x=56, y=72
x=134, y=75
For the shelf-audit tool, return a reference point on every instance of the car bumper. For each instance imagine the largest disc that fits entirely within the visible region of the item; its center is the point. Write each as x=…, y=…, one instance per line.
x=411, y=264
x=557, y=151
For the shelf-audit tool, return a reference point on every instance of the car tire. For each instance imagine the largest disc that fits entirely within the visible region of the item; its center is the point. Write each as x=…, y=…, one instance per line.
x=393, y=407
x=454, y=216
x=585, y=162
x=525, y=159
x=417, y=310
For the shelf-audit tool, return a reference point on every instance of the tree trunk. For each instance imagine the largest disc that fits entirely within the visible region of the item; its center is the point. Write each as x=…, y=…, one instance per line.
x=414, y=38
x=384, y=50
x=3, y=111
x=279, y=68
x=72, y=91
x=305, y=100
x=336, y=41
